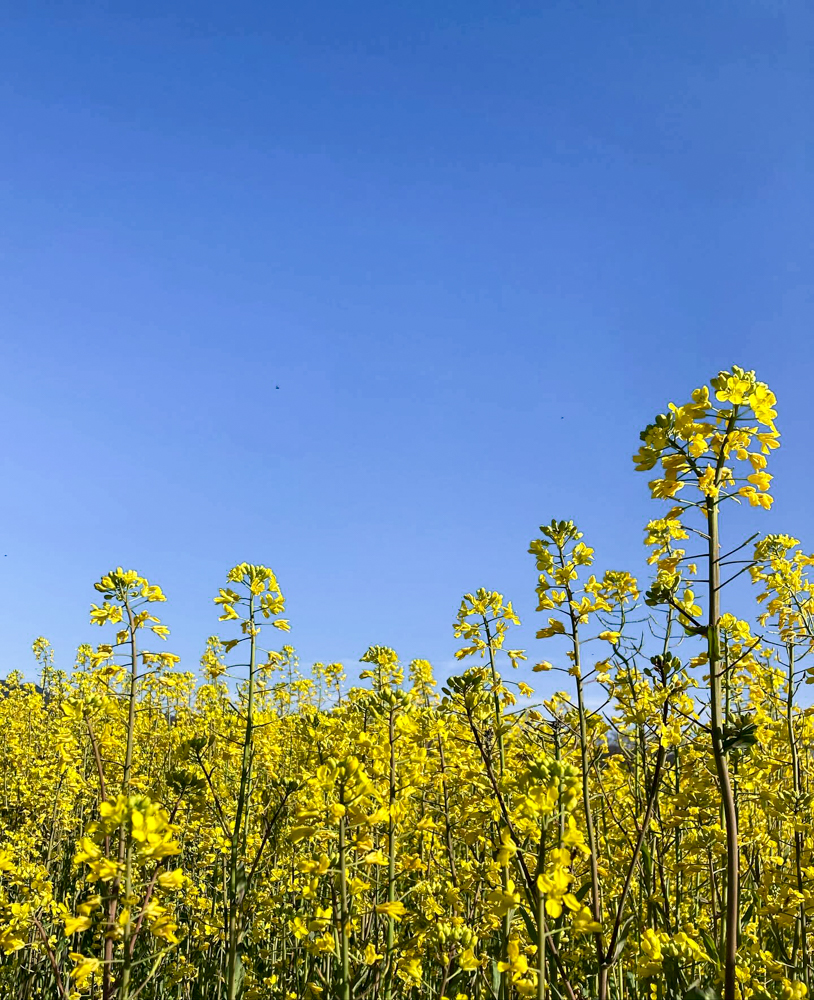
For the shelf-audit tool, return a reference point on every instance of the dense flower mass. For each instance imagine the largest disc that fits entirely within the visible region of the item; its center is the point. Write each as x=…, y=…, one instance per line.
x=252, y=831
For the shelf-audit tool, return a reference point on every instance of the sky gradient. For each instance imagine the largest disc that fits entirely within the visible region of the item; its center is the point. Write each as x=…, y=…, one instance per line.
x=366, y=292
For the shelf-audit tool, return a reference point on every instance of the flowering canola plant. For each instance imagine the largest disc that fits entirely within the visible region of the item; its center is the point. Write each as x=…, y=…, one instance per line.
x=249, y=830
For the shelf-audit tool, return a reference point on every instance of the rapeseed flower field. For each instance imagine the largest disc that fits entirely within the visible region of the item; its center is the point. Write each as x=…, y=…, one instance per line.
x=643, y=834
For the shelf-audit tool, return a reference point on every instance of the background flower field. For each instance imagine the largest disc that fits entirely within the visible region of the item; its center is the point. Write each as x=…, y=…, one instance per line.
x=252, y=829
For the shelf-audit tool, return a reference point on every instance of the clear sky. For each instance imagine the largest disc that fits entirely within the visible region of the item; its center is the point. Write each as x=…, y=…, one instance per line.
x=476, y=245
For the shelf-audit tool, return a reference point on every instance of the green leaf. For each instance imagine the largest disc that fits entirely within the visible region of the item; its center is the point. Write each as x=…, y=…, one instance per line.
x=711, y=947
x=583, y=891
x=531, y=927
x=699, y=992
x=741, y=735
x=495, y=977
x=240, y=976
x=672, y=972
x=621, y=941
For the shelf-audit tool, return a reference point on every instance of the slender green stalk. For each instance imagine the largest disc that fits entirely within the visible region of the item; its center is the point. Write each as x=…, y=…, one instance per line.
x=717, y=667
x=238, y=840
x=541, y=926
x=800, y=947
x=590, y=827
x=344, y=915
x=391, y=845
x=505, y=978
x=125, y=842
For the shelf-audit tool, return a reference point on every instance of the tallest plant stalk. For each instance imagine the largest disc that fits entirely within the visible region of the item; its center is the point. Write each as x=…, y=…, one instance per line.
x=720, y=450
x=717, y=667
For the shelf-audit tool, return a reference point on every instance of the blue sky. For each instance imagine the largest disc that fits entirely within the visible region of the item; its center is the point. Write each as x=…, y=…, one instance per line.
x=476, y=245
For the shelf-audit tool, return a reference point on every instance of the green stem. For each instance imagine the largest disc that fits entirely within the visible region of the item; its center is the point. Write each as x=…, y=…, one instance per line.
x=717, y=667
x=237, y=886
x=802, y=929
x=391, y=848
